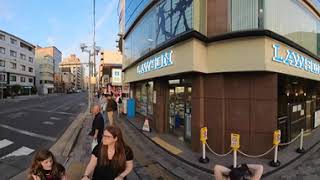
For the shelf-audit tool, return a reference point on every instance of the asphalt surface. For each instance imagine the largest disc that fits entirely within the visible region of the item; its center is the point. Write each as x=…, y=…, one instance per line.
x=32, y=123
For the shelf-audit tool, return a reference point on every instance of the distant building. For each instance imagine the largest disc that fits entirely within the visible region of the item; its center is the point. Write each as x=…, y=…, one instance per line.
x=16, y=64
x=56, y=55
x=72, y=65
x=110, y=70
x=44, y=74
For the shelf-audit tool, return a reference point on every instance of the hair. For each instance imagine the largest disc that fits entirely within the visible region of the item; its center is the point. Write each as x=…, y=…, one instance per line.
x=119, y=156
x=240, y=173
x=36, y=168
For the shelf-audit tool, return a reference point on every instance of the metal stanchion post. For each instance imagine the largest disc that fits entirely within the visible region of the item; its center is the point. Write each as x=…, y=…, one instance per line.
x=235, y=145
x=301, y=149
x=203, y=139
x=276, y=142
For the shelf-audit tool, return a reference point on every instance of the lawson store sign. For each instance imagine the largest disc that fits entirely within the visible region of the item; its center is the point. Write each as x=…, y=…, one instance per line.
x=160, y=61
x=296, y=60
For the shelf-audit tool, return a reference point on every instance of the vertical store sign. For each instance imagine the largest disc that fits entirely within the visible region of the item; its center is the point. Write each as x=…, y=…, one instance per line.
x=116, y=76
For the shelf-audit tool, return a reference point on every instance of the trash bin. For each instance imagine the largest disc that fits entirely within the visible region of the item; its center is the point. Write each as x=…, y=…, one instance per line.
x=131, y=108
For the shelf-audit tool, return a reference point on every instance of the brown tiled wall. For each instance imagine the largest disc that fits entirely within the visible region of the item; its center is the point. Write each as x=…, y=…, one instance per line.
x=244, y=103
x=217, y=17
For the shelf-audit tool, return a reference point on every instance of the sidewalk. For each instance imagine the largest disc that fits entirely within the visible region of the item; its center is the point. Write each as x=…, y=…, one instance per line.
x=150, y=161
x=180, y=150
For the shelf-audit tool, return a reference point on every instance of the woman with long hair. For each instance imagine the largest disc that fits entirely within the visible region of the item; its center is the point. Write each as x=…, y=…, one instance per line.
x=45, y=167
x=112, y=159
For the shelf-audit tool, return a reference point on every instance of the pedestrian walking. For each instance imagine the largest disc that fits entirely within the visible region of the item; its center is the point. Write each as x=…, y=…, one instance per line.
x=111, y=109
x=111, y=160
x=242, y=172
x=97, y=126
x=103, y=104
x=45, y=167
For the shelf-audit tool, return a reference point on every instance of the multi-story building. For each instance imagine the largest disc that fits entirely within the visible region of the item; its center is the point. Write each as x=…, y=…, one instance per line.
x=72, y=65
x=16, y=64
x=110, y=70
x=44, y=73
x=56, y=55
x=247, y=67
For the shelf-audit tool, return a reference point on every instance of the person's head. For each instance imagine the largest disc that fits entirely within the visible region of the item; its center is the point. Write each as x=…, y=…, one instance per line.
x=43, y=161
x=112, y=138
x=240, y=173
x=95, y=109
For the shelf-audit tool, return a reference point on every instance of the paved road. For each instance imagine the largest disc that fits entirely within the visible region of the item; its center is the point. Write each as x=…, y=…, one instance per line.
x=27, y=124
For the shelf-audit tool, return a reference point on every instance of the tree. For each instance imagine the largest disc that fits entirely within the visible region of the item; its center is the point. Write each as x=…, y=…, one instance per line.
x=15, y=89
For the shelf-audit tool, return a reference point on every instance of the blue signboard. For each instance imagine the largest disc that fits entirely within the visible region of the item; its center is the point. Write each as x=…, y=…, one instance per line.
x=160, y=61
x=296, y=60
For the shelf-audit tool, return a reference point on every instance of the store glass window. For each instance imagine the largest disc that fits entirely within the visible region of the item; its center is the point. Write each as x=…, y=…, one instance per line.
x=164, y=22
x=289, y=18
x=144, y=98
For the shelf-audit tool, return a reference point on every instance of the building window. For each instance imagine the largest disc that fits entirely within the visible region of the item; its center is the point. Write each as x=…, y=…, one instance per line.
x=30, y=69
x=13, y=65
x=31, y=59
x=2, y=77
x=13, y=53
x=23, y=56
x=2, y=37
x=13, y=41
x=2, y=50
x=30, y=80
x=23, y=67
x=2, y=63
x=22, y=79
x=13, y=78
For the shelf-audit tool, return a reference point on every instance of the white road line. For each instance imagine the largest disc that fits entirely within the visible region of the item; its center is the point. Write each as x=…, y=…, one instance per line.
x=5, y=143
x=50, y=111
x=55, y=118
x=23, y=151
x=28, y=133
x=48, y=122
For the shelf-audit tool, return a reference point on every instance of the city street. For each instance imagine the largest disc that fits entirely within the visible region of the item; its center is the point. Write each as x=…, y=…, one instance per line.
x=28, y=124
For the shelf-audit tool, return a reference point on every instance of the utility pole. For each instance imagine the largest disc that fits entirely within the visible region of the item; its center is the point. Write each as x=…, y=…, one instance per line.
x=94, y=41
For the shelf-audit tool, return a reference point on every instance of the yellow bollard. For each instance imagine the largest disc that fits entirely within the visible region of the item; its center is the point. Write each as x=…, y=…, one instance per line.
x=276, y=142
x=235, y=145
x=203, y=139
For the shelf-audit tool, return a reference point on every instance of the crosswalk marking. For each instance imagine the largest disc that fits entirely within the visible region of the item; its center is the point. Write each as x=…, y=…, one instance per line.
x=23, y=151
x=55, y=118
x=48, y=122
x=4, y=143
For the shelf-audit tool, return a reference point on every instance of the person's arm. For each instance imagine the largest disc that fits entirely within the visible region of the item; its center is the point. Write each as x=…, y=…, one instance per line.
x=95, y=136
x=219, y=171
x=129, y=167
x=90, y=167
x=256, y=170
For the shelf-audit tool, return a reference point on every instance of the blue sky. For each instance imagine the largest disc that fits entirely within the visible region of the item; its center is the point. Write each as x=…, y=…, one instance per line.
x=62, y=23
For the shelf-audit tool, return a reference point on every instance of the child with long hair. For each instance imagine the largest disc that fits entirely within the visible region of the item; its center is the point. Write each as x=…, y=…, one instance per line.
x=112, y=159
x=45, y=167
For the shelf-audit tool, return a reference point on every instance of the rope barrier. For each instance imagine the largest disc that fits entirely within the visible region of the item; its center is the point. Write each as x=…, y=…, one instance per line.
x=284, y=144
x=257, y=156
x=220, y=155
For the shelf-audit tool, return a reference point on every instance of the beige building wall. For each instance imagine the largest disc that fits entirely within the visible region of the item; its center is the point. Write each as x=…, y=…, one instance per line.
x=235, y=55
x=76, y=68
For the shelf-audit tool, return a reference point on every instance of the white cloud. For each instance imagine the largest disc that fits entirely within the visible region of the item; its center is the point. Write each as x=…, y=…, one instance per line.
x=108, y=10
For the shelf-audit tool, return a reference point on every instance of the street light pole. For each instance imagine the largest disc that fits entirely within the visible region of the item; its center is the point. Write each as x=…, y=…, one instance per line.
x=89, y=85
x=94, y=41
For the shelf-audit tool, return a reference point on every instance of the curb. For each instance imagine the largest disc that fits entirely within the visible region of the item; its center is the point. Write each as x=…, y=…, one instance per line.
x=63, y=146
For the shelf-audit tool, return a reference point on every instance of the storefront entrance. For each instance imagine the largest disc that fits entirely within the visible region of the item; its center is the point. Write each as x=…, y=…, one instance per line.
x=180, y=108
